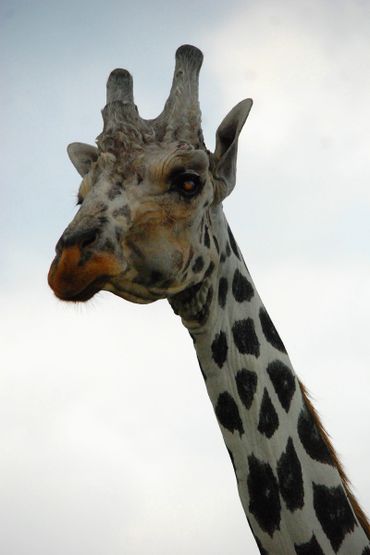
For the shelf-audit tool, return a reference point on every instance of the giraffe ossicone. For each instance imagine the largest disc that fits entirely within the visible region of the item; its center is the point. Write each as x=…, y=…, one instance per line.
x=151, y=226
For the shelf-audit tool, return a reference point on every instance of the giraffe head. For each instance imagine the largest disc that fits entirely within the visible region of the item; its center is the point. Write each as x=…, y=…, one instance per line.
x=148, y=190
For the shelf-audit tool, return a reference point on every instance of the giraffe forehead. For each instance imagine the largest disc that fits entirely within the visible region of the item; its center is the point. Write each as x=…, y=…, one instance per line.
x=161, y=164
x=154, y=165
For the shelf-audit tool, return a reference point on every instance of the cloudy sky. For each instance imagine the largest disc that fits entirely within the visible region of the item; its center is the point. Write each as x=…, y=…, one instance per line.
x=109, y=444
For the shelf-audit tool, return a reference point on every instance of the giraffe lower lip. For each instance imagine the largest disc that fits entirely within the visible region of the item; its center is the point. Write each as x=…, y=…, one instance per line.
x=86, y=293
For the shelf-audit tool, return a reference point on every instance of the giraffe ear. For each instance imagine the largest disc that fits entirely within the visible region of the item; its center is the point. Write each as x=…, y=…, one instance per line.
x=82, y=156
x=225, y=155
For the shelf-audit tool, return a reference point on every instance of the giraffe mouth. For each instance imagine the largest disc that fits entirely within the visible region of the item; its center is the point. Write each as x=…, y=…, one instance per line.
x=69, y=293
x=74, y=282
x=87, y=293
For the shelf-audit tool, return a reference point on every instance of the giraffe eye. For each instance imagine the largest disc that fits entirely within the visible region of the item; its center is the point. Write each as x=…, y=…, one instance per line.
x=187, y=184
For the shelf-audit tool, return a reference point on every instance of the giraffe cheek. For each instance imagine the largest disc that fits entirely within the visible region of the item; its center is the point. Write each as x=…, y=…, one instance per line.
x=163, y=270
x=74, y=279
x=154, y=254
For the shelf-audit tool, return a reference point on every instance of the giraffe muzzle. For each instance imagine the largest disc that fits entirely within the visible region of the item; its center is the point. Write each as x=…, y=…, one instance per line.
x=80, y=269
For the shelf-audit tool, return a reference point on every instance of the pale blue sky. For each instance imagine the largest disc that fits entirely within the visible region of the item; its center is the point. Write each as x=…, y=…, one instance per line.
x=90, y=462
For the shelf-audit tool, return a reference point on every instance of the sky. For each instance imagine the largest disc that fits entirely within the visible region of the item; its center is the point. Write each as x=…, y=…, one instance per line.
x=108, y=441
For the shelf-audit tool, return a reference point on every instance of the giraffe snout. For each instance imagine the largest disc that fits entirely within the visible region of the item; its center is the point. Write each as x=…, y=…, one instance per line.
x=82, y=265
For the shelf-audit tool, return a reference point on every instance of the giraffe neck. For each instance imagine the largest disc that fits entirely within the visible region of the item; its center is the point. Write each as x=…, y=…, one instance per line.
x=288, y=482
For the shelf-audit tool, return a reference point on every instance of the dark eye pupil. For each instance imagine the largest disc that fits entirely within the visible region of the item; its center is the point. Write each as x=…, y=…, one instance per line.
x=187, y=184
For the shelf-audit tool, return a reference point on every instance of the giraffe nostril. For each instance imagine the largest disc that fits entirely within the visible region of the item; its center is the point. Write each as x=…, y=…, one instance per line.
x=81, y=239
x=88, y=239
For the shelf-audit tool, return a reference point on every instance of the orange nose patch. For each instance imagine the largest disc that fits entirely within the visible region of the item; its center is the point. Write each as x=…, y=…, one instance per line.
x=71, y=280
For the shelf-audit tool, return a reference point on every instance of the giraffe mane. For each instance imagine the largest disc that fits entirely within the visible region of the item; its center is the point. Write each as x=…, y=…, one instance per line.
x=360, y=514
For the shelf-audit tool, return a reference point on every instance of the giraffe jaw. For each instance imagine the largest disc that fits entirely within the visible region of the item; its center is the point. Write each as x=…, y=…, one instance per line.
x=136, y=292
x=132, y=292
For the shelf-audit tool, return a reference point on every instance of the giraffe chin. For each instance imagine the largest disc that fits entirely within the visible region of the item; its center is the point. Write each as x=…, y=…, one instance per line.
x=83, y=295
x=132, y=294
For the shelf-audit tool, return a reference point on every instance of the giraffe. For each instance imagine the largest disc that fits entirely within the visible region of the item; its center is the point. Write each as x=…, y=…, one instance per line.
x=150, y=226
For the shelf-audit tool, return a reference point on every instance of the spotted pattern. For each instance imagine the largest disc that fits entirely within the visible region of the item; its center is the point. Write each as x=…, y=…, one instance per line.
x=108, y=245
x=311, y=438
x=102, y=220
x=227, y=413
x=246, y=383
x=202, y=315
x=334, y=513
x=187, y=263
x=216, y=244
x=270, y=332
x=207, y=240
x=289, y=473
x=268, y=419
x=283, y=381
x=233, y=244
x=310, y=548
x=115, y=190
x=209, y=270
x=122, y=211
x=198, y=265
x=245, y=337
x=187, y=296
x=273, y=486
x=118, y=234
x=242, y=289
x=219, y=348
x=264, y=495
x=222, y=291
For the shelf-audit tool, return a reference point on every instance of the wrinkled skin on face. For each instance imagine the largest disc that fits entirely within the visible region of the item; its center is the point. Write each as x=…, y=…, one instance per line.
x=150, y=195
x=140, y=227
